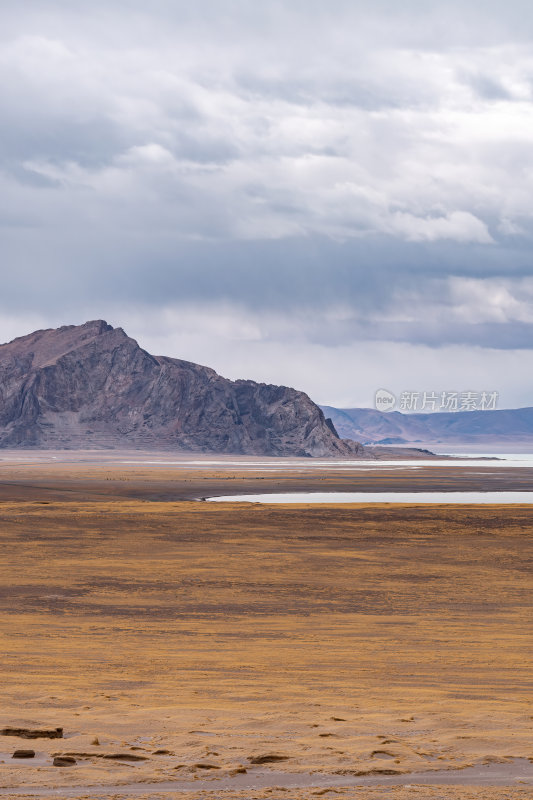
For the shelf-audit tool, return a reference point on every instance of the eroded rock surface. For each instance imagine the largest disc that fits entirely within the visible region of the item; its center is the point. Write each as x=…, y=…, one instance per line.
x=33, y=733
x=64, y=761
x=93, y=386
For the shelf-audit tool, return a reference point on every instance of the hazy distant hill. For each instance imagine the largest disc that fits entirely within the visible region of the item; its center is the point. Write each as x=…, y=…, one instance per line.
x=92, y=386
x=503, y=427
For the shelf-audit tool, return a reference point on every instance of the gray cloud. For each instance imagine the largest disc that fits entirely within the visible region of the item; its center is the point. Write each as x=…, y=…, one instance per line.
x=325, y=175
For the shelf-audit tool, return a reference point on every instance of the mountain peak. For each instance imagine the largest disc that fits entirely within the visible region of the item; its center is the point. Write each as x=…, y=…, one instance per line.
x=90, y=385
x=46, y=346
x=96, y=326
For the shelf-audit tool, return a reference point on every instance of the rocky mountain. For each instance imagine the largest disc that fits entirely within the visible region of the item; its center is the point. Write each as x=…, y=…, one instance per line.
x=92, y=386
x=510, y=428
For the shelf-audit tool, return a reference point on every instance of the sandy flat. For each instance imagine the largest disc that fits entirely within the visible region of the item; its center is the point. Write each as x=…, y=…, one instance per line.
x=347, y=640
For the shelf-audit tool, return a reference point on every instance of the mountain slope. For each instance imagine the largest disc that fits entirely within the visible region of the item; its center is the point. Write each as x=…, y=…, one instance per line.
x=502, y=426
x=92, y=386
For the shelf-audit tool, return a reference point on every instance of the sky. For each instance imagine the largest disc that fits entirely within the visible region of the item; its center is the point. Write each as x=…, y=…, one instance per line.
x=335, y=195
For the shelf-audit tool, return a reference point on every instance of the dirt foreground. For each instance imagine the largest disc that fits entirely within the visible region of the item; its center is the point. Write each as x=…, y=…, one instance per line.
x=321, y=643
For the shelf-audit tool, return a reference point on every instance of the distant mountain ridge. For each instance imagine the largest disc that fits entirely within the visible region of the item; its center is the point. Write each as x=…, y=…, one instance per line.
x=502, y=427
x=92, y=386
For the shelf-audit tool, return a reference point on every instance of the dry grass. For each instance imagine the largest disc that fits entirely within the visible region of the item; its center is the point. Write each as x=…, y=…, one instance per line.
x=225, y=632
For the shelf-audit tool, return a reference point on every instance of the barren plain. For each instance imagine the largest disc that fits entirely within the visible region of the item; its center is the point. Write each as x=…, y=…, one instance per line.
x=242, y=650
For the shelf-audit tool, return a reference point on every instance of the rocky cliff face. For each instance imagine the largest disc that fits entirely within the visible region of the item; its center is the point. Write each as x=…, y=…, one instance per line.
x=92, y=386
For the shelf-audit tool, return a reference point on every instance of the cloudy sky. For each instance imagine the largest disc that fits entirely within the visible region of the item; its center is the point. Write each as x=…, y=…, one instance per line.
x=332, y=194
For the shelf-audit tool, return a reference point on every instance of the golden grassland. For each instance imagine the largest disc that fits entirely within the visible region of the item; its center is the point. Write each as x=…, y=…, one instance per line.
x=344, y=638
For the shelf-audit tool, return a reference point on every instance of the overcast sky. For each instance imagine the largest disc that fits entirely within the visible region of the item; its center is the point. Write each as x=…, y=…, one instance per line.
x=333, y=195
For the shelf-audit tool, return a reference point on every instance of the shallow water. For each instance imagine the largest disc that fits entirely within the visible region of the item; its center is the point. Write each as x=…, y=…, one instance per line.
x=250, y=463
x=463, y=460
x=503, y=498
